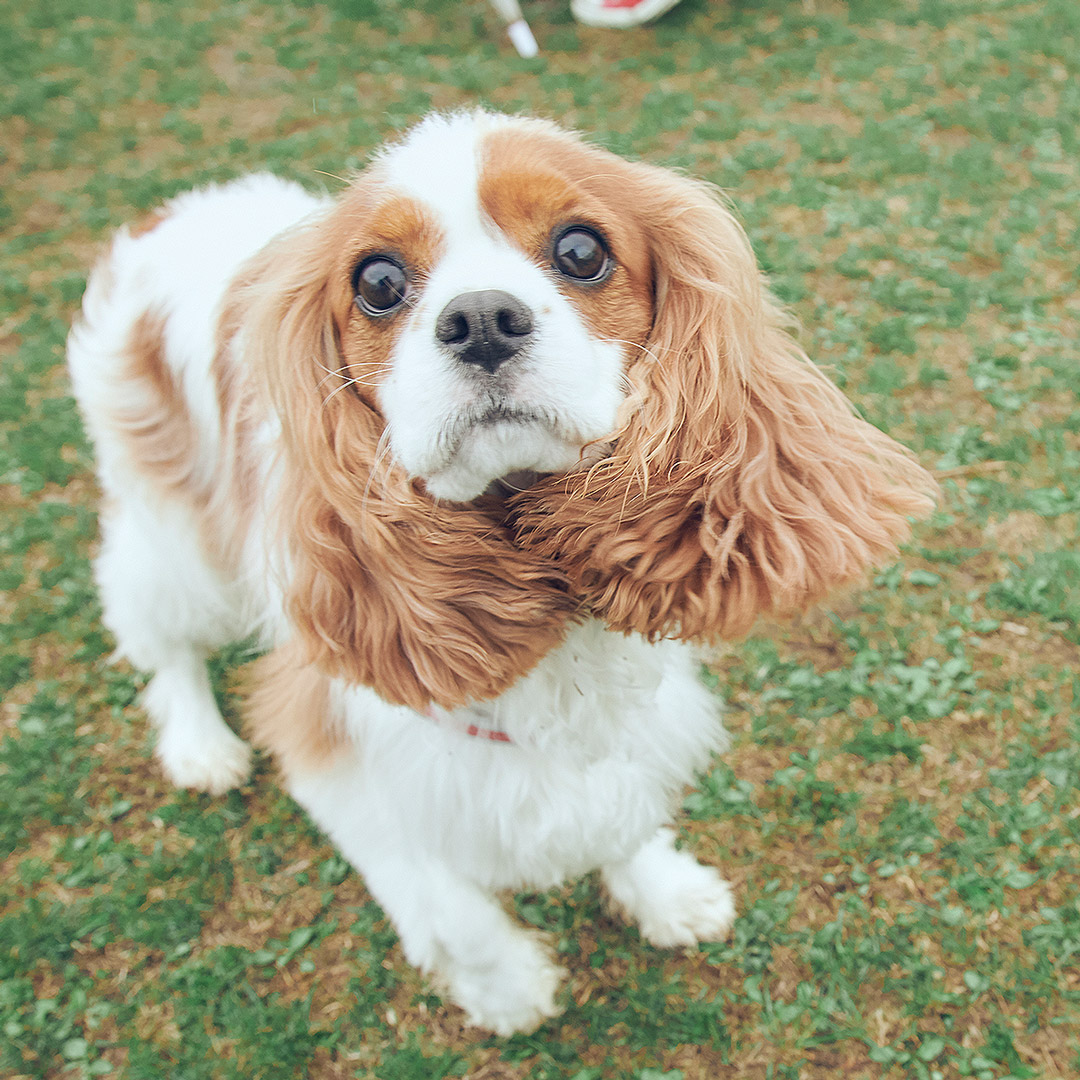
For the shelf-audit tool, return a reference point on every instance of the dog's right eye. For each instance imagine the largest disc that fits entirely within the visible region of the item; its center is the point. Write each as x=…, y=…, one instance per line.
x=380, y=284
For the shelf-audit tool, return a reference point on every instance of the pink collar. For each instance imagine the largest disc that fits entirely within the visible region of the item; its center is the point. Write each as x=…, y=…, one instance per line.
x=445, y=719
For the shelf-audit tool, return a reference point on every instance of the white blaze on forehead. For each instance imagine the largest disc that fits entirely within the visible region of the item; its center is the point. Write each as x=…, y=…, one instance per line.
x=438, y=164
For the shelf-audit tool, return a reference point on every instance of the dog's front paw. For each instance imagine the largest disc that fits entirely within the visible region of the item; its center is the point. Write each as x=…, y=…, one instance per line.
x=214, y=761
x=511, y=993
x=698, y=908
x=670, y=895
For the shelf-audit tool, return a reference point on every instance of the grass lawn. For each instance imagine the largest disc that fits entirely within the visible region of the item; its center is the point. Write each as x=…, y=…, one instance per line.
x=900, y=813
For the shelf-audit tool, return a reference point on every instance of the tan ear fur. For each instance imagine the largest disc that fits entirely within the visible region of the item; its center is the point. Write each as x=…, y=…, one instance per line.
x=422, y=601
x=740, y=481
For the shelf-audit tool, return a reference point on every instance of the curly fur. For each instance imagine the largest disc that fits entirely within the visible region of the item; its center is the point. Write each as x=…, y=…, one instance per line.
x=741, y=481
x=423, y=601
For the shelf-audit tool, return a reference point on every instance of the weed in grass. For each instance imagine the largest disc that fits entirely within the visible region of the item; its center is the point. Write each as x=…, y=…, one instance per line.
x=1046, y=584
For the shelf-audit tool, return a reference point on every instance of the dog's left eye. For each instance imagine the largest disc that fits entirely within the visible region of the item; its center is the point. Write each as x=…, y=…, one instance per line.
x=381, y=284
x=581, y=254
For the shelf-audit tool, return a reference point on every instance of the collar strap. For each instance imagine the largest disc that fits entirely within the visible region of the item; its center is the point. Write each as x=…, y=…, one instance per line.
x=445, y=719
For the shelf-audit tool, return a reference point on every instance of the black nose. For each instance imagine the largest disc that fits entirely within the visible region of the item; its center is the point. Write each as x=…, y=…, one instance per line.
x=485, y=328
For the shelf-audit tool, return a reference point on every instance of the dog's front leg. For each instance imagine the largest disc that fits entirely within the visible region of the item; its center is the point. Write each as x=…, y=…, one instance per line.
x=502, y=975
x=673, y=898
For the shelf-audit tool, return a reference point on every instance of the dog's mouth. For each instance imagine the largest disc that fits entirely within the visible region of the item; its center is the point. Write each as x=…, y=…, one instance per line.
x=513, y=483
x=496, y=413
x=501, y=448
x=519, y=480
x=502, y=412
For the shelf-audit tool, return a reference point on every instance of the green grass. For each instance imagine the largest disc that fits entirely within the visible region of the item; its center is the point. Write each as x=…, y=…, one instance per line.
x=899, y=810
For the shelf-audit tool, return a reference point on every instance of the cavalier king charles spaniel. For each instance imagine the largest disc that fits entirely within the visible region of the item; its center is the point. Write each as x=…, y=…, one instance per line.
x=480, y=449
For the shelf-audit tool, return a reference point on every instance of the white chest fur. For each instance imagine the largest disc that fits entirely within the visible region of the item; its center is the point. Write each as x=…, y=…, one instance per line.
x=605, y=734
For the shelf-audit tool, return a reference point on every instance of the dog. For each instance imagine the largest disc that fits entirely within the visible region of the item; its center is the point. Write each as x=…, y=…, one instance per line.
x=480, y=449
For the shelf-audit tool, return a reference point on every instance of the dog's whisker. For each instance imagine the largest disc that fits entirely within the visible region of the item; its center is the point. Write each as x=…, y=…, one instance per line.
x=333, y=176
x=633, y=344
x=382, y=452
x=337, y=390
x=326, y=378
x=347, y=380
x=330, y=373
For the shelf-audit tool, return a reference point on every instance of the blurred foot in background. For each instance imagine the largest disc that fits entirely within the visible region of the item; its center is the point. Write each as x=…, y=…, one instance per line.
x=619, y=13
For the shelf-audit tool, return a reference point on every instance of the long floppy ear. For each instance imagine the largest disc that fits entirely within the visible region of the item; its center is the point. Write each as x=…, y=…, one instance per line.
x=421, y=601
x=740, y=481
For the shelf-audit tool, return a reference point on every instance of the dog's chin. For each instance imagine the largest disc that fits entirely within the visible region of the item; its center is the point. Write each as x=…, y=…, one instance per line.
x=500, y=459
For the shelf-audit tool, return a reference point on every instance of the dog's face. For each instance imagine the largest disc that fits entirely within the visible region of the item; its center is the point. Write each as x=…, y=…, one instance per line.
x=495, y=290
x=494, y=296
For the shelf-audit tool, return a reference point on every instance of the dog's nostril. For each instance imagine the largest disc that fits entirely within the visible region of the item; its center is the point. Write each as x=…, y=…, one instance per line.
x=515, y=322
x=454, y=329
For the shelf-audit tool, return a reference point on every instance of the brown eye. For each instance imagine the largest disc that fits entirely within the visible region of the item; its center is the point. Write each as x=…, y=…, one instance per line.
x=381, y=284
x=581, y=254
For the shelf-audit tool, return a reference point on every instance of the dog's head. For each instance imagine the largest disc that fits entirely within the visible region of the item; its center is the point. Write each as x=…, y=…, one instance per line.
x=492, y=297
x=482, y=290
x=512, y=301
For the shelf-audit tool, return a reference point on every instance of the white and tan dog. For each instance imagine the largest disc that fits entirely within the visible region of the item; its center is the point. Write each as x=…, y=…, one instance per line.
x=311, y=417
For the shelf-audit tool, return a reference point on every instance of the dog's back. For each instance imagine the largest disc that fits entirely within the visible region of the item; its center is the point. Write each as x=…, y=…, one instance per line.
x=141, y=358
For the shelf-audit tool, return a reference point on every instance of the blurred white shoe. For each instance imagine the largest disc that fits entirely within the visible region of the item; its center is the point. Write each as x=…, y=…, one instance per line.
x=619, y=13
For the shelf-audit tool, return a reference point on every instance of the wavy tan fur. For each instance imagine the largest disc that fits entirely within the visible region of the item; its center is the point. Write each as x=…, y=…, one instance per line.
x=741, y=481
x=156, y=426
x=289, y=709
x=424, y=602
